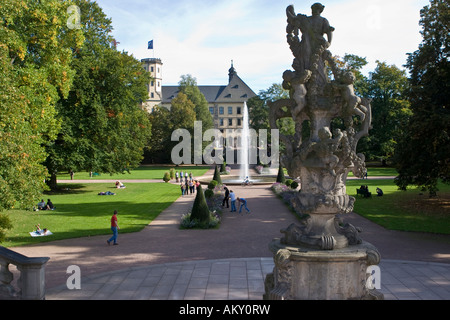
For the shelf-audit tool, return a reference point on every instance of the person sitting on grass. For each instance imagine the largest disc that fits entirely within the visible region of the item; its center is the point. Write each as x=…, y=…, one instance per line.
x=49, y=205
x=119, y=185
x=379, y=192
x=41, y=205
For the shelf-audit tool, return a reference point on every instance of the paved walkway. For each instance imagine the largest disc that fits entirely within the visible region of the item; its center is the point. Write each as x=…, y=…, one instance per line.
x=163, y=262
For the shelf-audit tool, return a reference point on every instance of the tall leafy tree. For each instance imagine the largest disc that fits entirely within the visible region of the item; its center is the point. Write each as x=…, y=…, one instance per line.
x=35, y=70
x=188, y=85
x=423, y=156
x=103, y=127
x=164, y=122
x=388, y=87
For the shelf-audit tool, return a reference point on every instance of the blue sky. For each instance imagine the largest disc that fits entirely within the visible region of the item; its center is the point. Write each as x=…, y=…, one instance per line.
x=201, y=37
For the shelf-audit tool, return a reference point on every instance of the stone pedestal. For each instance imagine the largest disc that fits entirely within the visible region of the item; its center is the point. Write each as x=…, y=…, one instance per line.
x=302, y=273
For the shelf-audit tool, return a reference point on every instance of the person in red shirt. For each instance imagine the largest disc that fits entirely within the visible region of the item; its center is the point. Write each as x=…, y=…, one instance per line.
x=115, y=229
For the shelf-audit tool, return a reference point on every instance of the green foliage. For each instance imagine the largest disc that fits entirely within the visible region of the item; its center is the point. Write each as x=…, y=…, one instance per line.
x=216, y=176
x=188, y=85
x=288, y=182
x=212, y=184
x=5, y=224
x=209, y=193
x=166, y=177
x=164, y=122
x=388, y=88
x=172, y=173
x=423, y=155
x=294, y=185
x=200, y=210
x=223, y=167
x=35, y=57
x=280, y=177
x=104, y=129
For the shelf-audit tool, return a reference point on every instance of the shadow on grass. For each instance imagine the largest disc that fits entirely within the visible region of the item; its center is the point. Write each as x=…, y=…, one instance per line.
x=66, y=189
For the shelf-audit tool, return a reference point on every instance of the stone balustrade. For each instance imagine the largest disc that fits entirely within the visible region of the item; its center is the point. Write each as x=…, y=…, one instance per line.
x=31, y=283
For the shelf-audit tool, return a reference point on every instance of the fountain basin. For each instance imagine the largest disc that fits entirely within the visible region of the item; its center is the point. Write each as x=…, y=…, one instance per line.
x=236, y=180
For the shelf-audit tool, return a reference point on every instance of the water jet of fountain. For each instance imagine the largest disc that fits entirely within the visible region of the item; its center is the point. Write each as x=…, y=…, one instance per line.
x=245, y=145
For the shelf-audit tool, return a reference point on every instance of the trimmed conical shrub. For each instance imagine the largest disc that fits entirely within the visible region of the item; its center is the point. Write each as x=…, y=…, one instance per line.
x=200, y=210
x=217, y=175
x=280, y=177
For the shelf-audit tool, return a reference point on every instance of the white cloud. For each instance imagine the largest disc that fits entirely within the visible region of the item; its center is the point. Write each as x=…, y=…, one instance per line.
x=200, y=37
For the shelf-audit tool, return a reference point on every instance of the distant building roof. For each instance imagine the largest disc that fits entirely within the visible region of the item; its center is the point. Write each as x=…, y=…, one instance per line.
x=236, y=91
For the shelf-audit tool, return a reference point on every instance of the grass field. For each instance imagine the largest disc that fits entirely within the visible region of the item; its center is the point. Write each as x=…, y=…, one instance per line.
x=140, y=173
x=81, y=212
x=410, y=210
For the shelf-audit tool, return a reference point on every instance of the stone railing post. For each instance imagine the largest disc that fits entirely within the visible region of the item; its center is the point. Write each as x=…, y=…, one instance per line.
x=32, y=276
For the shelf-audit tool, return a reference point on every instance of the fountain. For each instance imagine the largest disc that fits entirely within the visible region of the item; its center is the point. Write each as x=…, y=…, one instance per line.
x=245, y=144
x=323, y=257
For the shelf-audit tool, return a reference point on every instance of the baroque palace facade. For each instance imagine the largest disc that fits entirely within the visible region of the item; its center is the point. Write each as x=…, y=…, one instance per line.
x=225, y=102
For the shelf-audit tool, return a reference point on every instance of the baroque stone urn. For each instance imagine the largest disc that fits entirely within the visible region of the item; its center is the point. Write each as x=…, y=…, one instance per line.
x=321, y=257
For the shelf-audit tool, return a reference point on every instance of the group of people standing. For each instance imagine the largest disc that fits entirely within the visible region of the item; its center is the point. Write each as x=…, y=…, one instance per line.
x=230, y=196
x=186, y=176
x=189, y=185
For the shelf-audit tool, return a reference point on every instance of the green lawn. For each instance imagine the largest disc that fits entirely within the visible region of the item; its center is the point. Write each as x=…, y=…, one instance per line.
x=140, y=173
x=379, y=172
x=410, y=210
x=81, y=212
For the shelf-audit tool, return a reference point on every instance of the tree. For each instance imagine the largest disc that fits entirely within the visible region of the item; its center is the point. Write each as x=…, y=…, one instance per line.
x=216, y=176
x=188, y=85
x=35, y=70
x=200, y=210
x=103, y=127
x=280, y=176
x=423, y=155
x=164, y=122
x=388, y=86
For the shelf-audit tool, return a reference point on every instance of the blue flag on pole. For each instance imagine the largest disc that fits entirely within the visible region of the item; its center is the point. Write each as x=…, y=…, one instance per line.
x=150, y=44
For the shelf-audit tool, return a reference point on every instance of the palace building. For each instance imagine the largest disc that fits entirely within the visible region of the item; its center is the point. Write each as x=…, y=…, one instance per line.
x=225, y=102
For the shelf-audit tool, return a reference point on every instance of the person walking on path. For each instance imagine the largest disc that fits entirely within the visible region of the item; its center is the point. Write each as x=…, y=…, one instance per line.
x=233, y=201
x=226, y=198
x=115, y=229
x=242, y=203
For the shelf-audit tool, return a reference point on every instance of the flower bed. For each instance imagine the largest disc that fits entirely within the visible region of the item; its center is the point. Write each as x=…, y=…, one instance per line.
x=215, y=207
x=284, y=192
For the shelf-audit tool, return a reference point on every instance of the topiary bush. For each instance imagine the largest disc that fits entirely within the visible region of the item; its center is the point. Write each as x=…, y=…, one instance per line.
x=288, y=182
x=166, y=177
x=200, y=210
x=217, y=175
x=212, y=184
x=209, y=193
x=294, y=185
x=280, y=176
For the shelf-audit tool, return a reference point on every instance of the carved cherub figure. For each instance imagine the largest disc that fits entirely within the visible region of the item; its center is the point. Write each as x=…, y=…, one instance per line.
x=326, y=147
x=352, y=101
x=296, y=85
